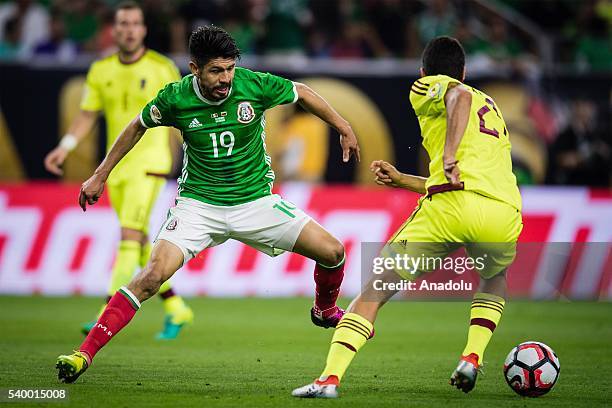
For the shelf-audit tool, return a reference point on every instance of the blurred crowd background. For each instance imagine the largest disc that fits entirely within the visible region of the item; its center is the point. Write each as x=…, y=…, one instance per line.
x=529, y=42
x=578, y=30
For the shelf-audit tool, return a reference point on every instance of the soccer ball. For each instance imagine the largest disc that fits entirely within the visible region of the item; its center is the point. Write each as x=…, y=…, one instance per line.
x=531, y=369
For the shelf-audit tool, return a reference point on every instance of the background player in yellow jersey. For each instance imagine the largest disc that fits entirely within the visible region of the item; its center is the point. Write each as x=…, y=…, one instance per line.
x=471, y=200
x=119, y=86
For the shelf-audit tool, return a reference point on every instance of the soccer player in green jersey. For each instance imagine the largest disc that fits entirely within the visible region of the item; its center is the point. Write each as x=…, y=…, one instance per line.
x=118, y=86
x=225, y=188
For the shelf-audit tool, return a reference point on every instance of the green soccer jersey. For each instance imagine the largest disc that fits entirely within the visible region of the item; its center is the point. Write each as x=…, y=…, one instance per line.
x=225, y=161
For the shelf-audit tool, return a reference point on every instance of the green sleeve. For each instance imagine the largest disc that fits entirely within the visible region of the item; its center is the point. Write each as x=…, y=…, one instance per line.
x=159, y=111
x=277, y=90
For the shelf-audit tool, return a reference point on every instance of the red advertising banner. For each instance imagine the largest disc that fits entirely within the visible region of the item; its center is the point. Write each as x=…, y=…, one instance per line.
x=49, y=246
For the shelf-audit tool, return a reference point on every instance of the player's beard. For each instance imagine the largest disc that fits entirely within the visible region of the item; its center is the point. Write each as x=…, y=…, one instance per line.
x=210, y=94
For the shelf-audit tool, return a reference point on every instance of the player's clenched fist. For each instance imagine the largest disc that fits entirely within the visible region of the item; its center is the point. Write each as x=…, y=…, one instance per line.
x=91, y=190
x=452, y=173
x=385, y=173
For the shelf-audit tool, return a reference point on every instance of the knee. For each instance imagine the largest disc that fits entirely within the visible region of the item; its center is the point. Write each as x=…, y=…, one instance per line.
x=333, y=254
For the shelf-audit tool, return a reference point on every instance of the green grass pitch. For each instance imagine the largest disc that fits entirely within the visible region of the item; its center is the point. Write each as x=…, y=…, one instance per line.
x=253, y=352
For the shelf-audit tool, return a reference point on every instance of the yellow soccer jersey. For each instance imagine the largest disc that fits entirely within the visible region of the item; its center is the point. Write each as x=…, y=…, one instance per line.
x=484, y=151
x=120, y=91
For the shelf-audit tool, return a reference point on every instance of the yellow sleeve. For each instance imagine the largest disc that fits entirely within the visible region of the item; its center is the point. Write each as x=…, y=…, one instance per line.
x=427, y=94
x=92, y=99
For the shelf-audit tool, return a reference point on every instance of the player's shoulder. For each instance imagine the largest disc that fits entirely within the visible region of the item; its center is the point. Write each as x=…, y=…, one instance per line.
x=109, y=59
x=476, y=91
x=426, y=88
x=419, y=88
x=157, y=58
x=431, y=88
x=439, y=79
x=104, y=63
x=433, y=85
x=169, y=96
x=102, y=69
x=175, y=90
x=247, y=74
x=248, y=81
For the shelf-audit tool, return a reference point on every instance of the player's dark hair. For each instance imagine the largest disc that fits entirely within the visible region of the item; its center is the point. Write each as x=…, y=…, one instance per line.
x=128, y=5
x=444, y=56
x=209, y=42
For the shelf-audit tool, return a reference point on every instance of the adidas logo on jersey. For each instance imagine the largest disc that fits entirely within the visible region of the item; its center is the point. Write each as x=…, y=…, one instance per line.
x=194, y=123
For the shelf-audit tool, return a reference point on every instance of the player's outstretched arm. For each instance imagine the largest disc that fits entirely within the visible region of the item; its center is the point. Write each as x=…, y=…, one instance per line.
x=315, y=104
x=385, y=174
x=79, y=128
x=458, y=101
x=92, y=188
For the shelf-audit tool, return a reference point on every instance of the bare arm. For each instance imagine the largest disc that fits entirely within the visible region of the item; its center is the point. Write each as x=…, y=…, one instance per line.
x=387, y=175
x=83, y=124
x=92, y=188
x=315, y=104
x=79, y=128
x=458, y=102
x=413, y=183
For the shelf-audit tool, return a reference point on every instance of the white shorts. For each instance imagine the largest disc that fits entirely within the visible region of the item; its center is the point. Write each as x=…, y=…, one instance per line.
x=268, y=224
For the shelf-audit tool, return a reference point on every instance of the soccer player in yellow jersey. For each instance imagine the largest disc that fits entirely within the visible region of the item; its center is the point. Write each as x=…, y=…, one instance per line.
x=119, y=86
x=471, y=199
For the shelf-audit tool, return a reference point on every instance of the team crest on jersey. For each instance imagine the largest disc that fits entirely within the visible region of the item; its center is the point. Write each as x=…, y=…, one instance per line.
x=155, y=114
x=171, y=226
x=434, y=90
x=246, y=113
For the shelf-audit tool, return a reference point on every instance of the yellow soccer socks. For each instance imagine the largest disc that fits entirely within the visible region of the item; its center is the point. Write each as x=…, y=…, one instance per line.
x=145, y=254
x=351, y=334
x=485, y=314
x=126, y=263
x=174, y=304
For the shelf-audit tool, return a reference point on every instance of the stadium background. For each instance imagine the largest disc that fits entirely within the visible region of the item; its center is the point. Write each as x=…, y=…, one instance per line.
x=547, y=63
